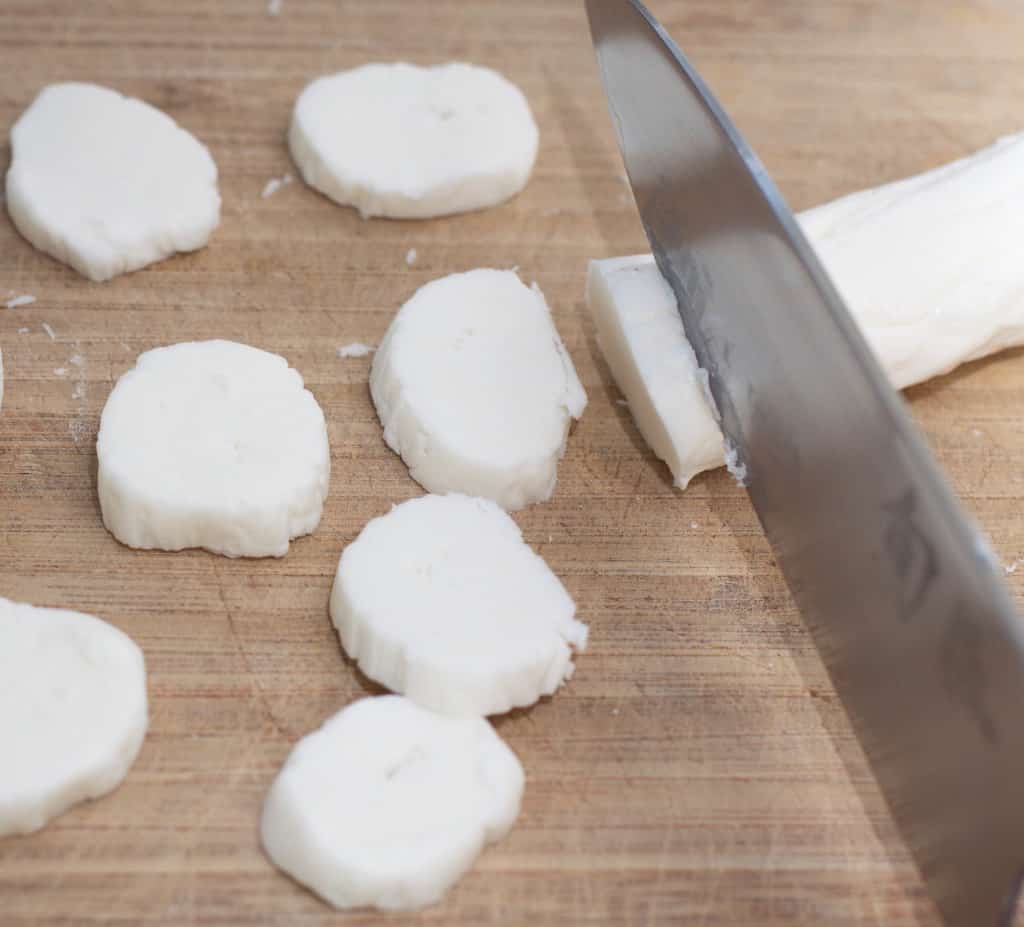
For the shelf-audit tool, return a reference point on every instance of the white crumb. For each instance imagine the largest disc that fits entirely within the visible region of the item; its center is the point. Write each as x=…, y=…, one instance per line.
x=274, y=7
x=49, y=331
x=275, y=184
x=734, y=465
x=1012, y=567
x=78, y=429
x=615, y=711
x=22, y=331
x=622, y=402
x=976, y=432
x=79, y=391
x=77, y=360
x=60, y=371
x=410, y=257
x=694, y=524
x=355, y=349
x=26, y=299
x=550, y=538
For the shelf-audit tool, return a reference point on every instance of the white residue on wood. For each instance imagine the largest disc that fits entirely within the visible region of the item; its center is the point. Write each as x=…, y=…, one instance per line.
x=26, y=299
x=274, y=7
x=355, y=349
x=49, y=331
x=410, y=257
x=275, y=184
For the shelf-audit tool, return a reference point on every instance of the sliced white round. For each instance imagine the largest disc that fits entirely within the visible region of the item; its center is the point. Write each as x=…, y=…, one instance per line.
x=408, y=142
x=72, y=711
x=475, y=389
x=388, y=804
x=212, y=444
x=107, y=183
x=442, y=601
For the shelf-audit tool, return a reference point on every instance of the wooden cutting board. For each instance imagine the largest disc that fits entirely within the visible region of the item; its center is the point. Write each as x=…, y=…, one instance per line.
x=698, y=768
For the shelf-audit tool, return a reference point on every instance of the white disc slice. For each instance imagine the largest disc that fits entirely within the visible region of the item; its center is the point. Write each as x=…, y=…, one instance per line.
x=72, y=711
x=408, y=142
x=212, y=444
x=107, y=183
x=475, y=389
x=388, y=804
x=442, y=601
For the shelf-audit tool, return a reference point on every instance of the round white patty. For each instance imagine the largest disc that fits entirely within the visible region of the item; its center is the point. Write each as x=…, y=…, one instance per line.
x=408, y=142
x=388, y=804
x=442, y=601
x=475, y=389
x=72, y=711
x=107, y=183
x=212, y=444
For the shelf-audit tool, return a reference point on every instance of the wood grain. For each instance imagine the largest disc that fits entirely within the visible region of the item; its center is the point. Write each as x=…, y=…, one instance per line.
x=698, y=768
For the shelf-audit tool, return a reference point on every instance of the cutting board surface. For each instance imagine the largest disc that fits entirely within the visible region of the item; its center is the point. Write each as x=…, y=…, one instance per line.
x=698, y=768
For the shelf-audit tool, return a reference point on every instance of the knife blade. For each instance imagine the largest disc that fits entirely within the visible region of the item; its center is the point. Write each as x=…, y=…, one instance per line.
x=902, y=596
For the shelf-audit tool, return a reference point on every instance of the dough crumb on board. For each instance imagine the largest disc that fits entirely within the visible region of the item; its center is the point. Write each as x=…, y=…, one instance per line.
x=410, y=257
x=274, y=7
x=26, y=299
x=355, y=349
x=49, y=331
x=275, y=184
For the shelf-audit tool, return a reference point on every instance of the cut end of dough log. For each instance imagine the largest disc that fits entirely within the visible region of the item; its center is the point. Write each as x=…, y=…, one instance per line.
x=475, y=389
x=408, y=142
x=388, y=804
x=442, y=601
x=643, y=341
x=212, y=444
x=73, y=711
x=107, y=183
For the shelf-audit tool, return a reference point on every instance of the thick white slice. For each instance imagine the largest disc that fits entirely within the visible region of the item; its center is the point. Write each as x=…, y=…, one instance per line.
x=475, y=389
x=72, y=711
x=408, y=142
x=107, y=183
x=929, y=267
x=442, y=601
x=212, y=444
x=388, y=804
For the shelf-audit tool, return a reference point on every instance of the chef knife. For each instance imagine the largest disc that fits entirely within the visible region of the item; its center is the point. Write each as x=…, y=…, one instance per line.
x=900, y=591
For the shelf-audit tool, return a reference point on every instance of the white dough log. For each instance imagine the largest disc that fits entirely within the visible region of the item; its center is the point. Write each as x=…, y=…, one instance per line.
x=929, y=267
x=212, y=444
x=107, y=183
x=408, y=142
x=442, y=601
x=388, y=804
x=475, y=389
x=73, y=712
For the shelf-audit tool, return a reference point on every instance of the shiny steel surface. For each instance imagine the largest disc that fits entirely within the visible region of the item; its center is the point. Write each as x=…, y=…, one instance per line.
x=899, y=590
